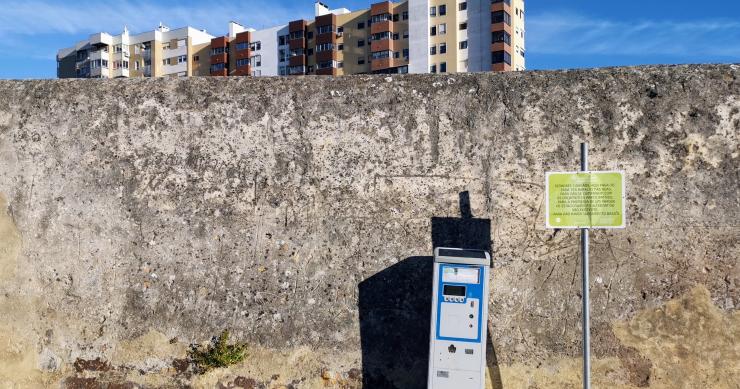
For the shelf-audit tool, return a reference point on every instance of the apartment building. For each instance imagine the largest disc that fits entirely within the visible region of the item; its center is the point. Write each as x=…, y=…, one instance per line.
x=162, y=52
x=413, y=36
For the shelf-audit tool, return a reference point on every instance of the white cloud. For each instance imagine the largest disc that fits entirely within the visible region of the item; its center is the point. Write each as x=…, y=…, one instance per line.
x=567, y=33
x=35, y=17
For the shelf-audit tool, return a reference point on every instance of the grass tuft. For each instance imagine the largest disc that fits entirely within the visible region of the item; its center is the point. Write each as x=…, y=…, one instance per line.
x=219, y=353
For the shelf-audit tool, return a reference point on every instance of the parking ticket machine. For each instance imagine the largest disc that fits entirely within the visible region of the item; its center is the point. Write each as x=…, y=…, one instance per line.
x=457, y=346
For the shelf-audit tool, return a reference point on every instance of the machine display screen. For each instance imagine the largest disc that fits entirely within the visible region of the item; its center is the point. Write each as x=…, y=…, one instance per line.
x=454, y=290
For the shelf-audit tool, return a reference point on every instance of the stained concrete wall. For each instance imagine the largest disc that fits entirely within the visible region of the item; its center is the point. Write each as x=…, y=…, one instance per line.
x=138, y=216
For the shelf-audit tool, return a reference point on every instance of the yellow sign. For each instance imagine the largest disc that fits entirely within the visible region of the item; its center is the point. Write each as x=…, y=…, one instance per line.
x=585, y=200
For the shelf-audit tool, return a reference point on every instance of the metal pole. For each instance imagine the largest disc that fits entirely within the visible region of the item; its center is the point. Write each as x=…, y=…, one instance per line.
x=584, y=287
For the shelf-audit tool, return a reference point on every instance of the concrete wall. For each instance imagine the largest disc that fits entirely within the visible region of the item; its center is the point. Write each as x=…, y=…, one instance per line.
x=138, y=216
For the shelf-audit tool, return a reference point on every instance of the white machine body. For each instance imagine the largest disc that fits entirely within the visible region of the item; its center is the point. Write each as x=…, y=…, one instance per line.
x=457, y=345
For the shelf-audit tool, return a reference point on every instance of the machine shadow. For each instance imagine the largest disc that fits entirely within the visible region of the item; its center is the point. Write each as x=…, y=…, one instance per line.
x=395, y=308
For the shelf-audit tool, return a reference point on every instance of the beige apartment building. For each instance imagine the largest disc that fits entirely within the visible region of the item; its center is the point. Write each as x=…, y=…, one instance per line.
x=413, y=36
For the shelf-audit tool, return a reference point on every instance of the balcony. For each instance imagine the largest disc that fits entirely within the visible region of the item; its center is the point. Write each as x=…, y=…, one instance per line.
x=120, y=72
x=382, y=45
x=219, y=58
x=168, y=53
x=99, y=54
x=100, y=38
x=381, y=27
x=122, y=54
x=298, y=60
x=384, y=63
x=102, y=72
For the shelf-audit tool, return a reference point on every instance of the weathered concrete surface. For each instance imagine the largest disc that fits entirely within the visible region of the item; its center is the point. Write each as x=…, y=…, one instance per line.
x=137, y=216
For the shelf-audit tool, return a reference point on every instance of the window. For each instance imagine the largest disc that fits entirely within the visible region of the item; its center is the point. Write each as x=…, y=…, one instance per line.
x=82, y=54
x=463, y=45
x=296, y=52
x=464, y=26
x=324, y=47
x=395, y=17
x=360, y=42
x=433, y=50
x=340, y=46
x=325, y=65
x=501, y=36
x=340, y=30
x=196, y=58
x=104, y=63
x=181, y=43
x=136, y=65
x=442, y=10
x=296, y=70
x=218, y=66
x=325, y=29
x=309, y=35
x=405, y=34
x=433, y=31
x=256, y=73
x=360, y=61
x=432, y=11
x=381, y=54
x=381, y=18
x=218, y=50
x=281, y=40
x=296, y=35
x=166, y=45
x=462, y=6
x=309, y=52
x=433, y=69
x=396, y=54
x=405, y=15
x=283, y=71
x=166, y=61
x=442, y=48
x=180, y=59
x=118, y=49
x=255, y=46
x=242, y=46
x=360, y=25
x=501, y=17
x=443, y=67
x=256, y=60
x=501, y=57
x=380, y=36
x=309, y=69
x=395, y=36
x=242, y=62
x=442, y=29
x=405, y=53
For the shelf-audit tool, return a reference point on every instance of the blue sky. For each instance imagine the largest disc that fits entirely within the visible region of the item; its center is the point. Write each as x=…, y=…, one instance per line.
x=560, y=33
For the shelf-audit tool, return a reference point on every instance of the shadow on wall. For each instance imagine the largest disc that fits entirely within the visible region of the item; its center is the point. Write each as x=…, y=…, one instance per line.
x=395, y=308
